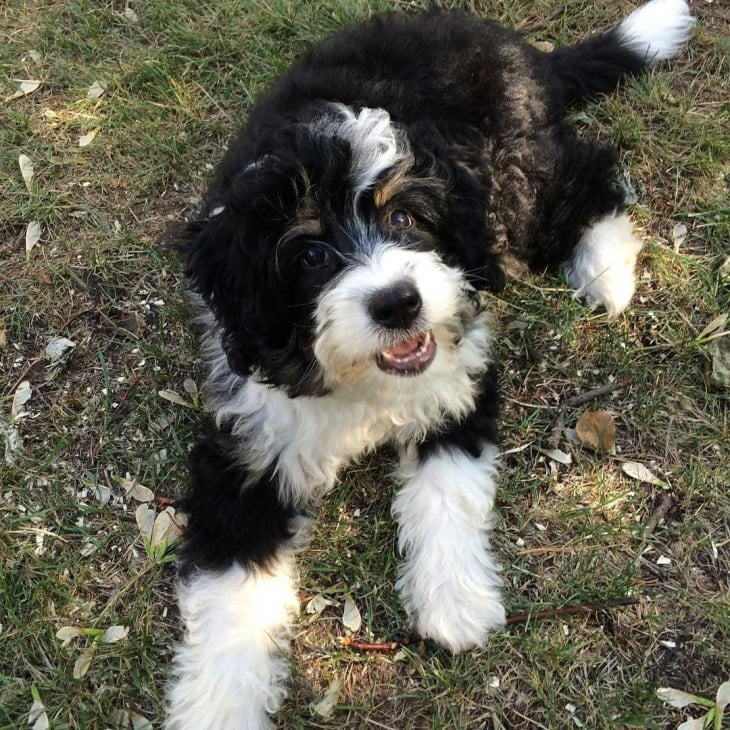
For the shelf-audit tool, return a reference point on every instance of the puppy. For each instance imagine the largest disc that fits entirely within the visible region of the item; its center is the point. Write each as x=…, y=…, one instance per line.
x=339, y=261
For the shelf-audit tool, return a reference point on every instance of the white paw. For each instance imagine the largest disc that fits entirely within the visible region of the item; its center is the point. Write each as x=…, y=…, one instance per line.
x=459, y=615
x=602, y=270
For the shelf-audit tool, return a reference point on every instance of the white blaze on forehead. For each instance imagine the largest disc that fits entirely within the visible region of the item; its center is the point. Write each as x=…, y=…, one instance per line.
x=376, y=142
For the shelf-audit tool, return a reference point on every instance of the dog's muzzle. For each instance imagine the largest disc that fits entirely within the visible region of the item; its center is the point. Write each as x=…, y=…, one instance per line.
x=397, y=307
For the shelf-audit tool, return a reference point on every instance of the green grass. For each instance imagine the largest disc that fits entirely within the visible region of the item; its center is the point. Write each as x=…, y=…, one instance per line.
x=179, y=80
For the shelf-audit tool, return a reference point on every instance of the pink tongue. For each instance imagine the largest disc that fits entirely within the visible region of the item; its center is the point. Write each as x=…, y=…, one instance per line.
x=405, y=348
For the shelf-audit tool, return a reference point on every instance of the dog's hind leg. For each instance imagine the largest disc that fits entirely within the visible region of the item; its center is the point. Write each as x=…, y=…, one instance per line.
x=602, y=267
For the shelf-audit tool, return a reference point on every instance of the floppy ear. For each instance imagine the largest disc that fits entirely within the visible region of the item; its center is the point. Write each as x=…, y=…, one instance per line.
x=473, y=240
x=466, y=236
x=218, y=269
x=230, y=257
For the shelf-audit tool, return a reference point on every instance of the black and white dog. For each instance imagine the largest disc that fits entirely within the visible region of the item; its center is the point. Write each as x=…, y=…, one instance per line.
x=386, y=181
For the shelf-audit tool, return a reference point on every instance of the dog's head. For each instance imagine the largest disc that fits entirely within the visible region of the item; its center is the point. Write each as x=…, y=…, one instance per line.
x=349, y=248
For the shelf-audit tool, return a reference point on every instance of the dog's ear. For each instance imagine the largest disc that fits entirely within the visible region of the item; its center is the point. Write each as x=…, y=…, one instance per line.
x=472, y=237
x=219, y=270
x=466, y=236
x=230, y=258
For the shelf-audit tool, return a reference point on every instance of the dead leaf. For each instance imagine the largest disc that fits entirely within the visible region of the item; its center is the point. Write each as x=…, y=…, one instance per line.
x=3, y=334
x=67, y=634
x=82, y=664
x=165, y=529
x=317, y=604
x=129, y=15
x=679, y=236
x=145, y=518
x=102, y=493
x=58, y=351
x=720, y=353
x=597, y=430
x=140, y=722
x=351, y=617
x=12, y=439
x=96, y=89
x=114, y=634
x=638, y=471
x=25, y=87
x=136, y=491
x=677, y=698
x=37, y=716
x=86, y=139
x=557, y=455
x=723, y=697
x=32, y=236
x=326, y=706
x=173, y=397
x=22, y=395
x=26, y=170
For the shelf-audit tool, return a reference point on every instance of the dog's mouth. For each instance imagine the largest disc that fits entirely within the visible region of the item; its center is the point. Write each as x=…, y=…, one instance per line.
x=409, y=357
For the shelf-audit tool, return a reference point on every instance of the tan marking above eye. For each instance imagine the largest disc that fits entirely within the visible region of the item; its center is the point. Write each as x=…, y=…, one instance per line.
x=304, y=227
x=313, y=226
x=307, y=227
x=388, y=189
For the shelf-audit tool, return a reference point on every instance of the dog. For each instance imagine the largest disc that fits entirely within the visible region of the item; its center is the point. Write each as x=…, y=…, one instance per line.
x=393, y=176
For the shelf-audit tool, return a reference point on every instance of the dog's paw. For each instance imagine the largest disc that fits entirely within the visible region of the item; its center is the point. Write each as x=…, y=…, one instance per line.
x=459, y=617
x=457, y=609
x=602, y=270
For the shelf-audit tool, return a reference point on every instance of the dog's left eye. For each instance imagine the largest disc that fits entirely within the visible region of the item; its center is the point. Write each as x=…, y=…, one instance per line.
x=315, y=257
x=400, y=219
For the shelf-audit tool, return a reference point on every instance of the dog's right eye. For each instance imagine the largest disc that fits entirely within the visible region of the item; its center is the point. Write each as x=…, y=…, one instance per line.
x=315, y=257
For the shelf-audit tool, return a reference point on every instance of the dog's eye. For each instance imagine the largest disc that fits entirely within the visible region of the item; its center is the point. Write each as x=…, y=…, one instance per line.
x=400, y=219
x=315, y=257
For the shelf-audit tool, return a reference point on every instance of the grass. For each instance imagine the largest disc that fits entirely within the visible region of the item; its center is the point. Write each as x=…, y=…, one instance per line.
x=179, y=79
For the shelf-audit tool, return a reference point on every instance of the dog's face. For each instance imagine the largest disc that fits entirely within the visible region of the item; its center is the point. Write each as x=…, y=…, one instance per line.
x=339, y=256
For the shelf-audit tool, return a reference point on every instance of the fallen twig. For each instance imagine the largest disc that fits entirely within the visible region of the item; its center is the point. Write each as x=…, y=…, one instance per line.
x=526, y=26
x=662, y=510
x=573, y=610
x=388, y=647
x=579, y=400
x=383, y=648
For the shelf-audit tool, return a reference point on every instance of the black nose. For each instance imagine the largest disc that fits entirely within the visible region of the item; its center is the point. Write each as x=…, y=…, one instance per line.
x=397, y=306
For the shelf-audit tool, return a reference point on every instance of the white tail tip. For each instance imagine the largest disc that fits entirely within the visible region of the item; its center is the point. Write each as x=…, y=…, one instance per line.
x=658, y=30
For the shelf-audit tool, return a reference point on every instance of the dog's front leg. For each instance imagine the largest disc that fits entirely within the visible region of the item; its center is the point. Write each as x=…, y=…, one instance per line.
x=231, y=668
x=449, y=581
x=237, y=594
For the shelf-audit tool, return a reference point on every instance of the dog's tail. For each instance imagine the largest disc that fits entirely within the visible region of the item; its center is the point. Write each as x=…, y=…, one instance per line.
x=654, y=32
